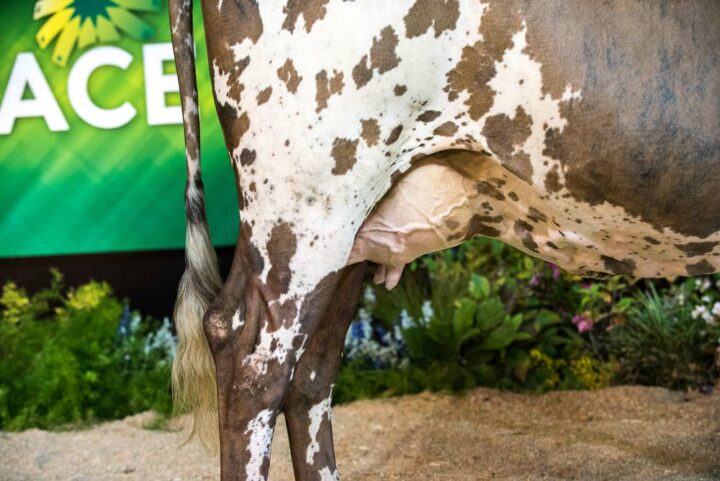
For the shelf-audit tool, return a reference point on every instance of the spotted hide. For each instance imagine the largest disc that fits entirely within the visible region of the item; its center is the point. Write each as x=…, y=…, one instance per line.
x=583, y=133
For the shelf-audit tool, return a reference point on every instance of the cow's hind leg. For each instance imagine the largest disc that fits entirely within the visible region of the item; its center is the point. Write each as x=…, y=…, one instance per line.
x=248, y=398
x=307, y=408
x=256, y=342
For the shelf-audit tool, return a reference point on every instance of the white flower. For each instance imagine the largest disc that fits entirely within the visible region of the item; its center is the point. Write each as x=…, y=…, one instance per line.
x=360, y=344
x=397, y=333
x=706, y=299
x=702, y=285
x=161, y=340
x=681, y=298
x=135, y=323
x=369, y=295
x=364, y=316
x=406, y=321
x=716, y=309
x=699, y=311
x=427, y=312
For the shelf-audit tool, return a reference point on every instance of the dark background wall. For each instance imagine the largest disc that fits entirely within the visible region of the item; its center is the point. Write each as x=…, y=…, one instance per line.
x=149, y=279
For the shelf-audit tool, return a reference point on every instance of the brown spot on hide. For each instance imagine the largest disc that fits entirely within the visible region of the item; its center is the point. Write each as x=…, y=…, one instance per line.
x=477, y=65
x=700, y=268
x=448, y=129
x=344, y=151
x=234, y=127
x=283, y=314
x=452, y=224
x=488, y=189
x=536, y=216
x=362, y=73
x=477, y=227
x=281, y=248
x=693, y=249
x=625, y=266
x=505, y=135
x=394, y=135
x=524, y=231
x=264, y=96
x=552, y=180
x=522, y=226
x=370, y=132
x=488, y=218
x=327, y=87
x=311, y=10
x=440, y=14
x=247, y=157
x=382, y=58
x=382, y=53
x=428, y=116
x=289, y=75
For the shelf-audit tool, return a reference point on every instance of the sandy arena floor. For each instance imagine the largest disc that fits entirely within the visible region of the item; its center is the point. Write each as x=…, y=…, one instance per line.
x=628, y=433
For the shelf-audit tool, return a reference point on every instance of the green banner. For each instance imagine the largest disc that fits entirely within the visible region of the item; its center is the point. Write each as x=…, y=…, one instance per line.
x=91, y=145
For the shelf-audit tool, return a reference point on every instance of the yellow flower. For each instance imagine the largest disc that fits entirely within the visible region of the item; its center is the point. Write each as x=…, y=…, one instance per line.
x=14, y=301
x=553, y=367
x=591, y=373
x=88, y=296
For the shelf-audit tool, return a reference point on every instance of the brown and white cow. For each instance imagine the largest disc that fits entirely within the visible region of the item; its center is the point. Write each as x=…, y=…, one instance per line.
x=583, y=133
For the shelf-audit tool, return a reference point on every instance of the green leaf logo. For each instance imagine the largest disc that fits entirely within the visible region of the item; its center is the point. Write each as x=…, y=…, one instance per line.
x=80, y=23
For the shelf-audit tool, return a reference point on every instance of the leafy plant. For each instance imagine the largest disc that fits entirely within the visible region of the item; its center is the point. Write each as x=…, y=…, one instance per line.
x=77, y=356
x=477, y=325
x=663, y=343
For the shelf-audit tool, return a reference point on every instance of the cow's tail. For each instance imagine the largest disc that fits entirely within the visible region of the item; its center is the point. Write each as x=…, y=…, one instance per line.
x=193, y=374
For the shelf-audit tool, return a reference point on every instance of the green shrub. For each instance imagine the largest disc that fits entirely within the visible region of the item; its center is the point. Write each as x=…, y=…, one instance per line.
x=669, y=340
x=482, y=314
x=486, y=314
x=67, y=359
x=473, y=316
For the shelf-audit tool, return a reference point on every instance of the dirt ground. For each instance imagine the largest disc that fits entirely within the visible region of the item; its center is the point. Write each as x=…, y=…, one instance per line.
x=628, y=433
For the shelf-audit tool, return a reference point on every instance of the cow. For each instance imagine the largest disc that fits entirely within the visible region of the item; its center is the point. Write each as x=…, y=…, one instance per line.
x=369, y=132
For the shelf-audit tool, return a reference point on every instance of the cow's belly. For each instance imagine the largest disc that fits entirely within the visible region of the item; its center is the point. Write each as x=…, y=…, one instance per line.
x=455, y=195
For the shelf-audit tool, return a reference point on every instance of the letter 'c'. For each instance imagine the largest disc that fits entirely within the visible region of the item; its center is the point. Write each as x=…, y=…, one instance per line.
x=78, y=88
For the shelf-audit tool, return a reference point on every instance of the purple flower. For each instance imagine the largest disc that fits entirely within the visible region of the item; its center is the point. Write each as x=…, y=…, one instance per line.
x=583, y=323
x=556, y=272
x=707, y=390
x=535, y=280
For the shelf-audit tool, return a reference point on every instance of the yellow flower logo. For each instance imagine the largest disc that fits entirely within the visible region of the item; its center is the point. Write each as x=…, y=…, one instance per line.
x=85, y=22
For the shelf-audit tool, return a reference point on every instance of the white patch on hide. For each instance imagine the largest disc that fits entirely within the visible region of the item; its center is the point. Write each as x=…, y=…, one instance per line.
x=237, y=321
x=276, y=346
x=260, y=440
x=516, y=66
x=327, y=475
x=316, y=414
